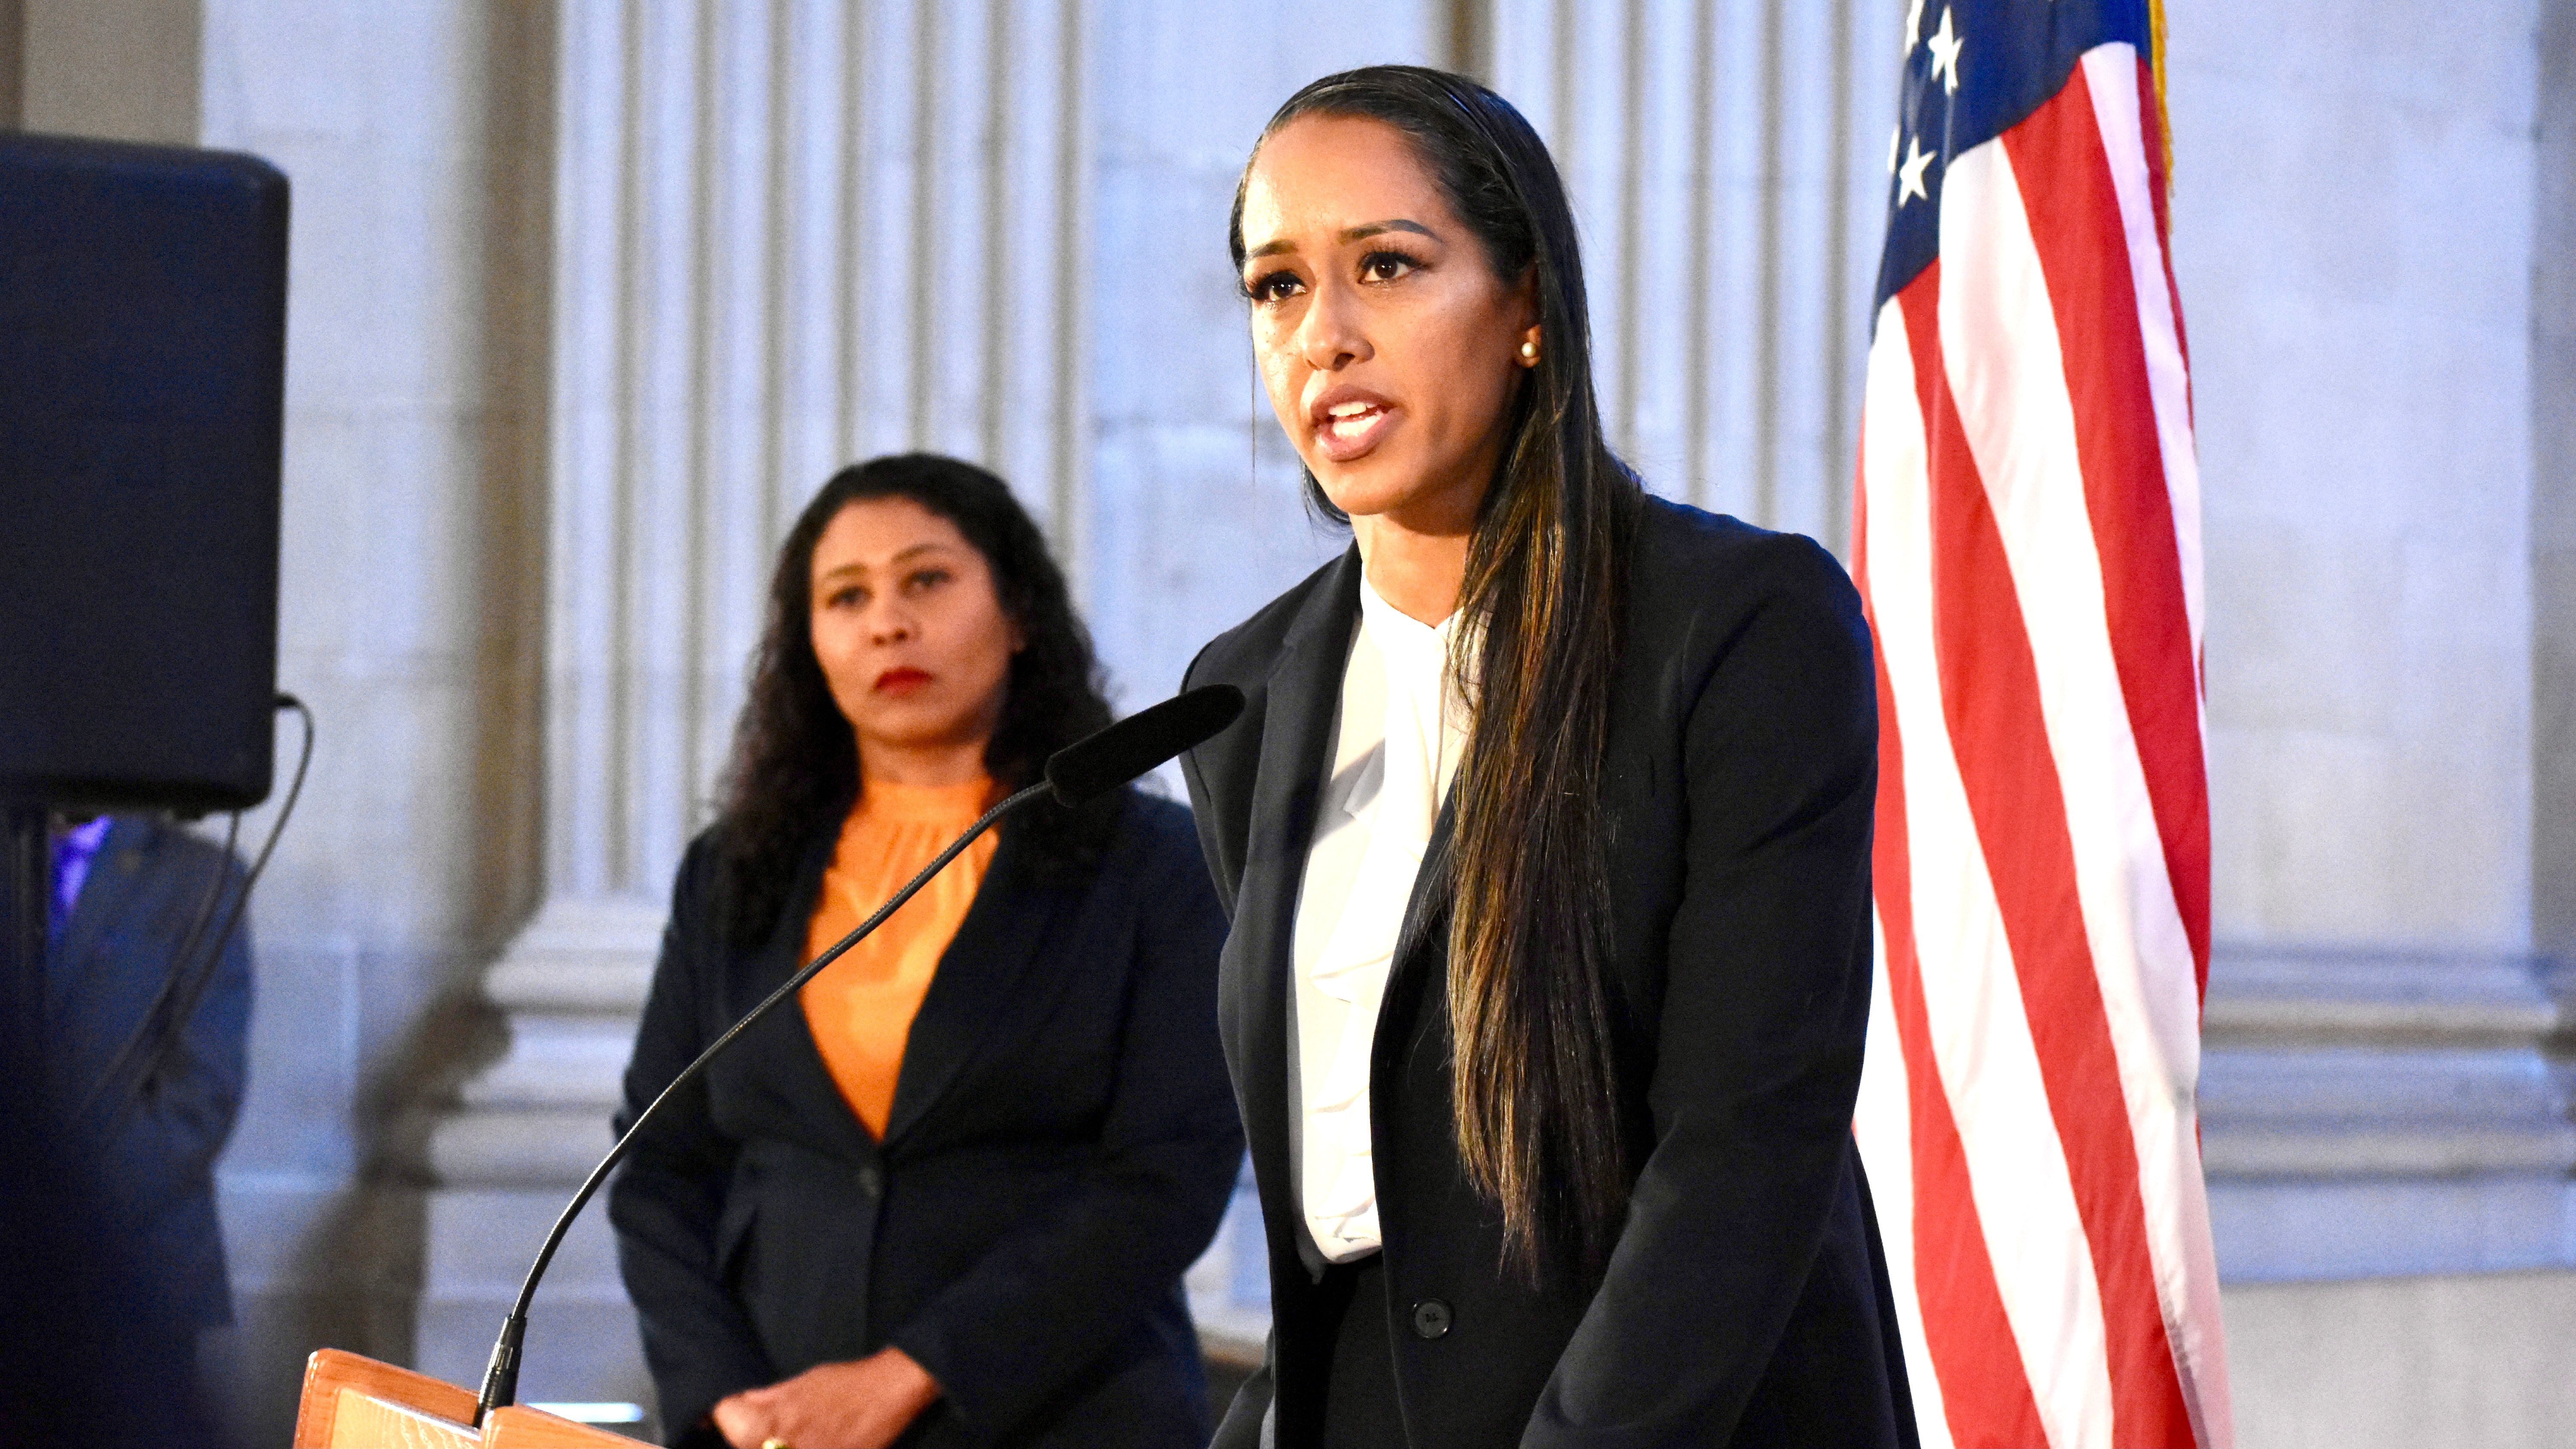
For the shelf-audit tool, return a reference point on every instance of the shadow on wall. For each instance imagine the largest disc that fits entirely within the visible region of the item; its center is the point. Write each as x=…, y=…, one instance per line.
x=353, y=1276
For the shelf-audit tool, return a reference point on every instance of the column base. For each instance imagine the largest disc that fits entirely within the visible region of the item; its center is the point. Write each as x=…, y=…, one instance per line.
x=507, y=1155
x=2375, y=1114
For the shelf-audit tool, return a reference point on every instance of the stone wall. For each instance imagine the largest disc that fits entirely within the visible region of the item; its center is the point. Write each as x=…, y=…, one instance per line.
x=2352, y=236
x=2553, y=488
x=2355, y=243
x=410, y=620
x=2371, y=226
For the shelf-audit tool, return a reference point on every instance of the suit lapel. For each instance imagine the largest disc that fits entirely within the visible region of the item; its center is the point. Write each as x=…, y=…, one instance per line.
x=1426, y=910
x=1416, y=979
x=978, y=978
x=1298, y=705
x=790, y=1063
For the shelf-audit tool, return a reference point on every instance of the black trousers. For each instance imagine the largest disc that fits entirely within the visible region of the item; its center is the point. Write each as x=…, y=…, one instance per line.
x=1360, y=1408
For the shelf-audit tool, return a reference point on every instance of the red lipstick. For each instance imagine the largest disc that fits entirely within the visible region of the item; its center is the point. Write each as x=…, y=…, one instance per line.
x=901, y=681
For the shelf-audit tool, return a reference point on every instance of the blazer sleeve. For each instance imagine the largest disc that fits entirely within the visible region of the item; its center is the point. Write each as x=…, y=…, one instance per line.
x=1027, y=1320
x=1758, y=1049
x=671, y=1190
x=1203, y=806
x=165, y=1147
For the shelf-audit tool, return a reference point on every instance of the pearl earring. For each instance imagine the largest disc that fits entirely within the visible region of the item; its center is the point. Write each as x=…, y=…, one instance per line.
x=1529, y=354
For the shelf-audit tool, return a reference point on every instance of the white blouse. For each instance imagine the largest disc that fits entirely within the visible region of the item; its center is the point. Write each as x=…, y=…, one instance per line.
x=1402, y=729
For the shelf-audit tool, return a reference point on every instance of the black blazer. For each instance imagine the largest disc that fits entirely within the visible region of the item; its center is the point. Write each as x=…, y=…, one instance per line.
x=1747, y=1300
x=1061, y=1147
x=156, y=1175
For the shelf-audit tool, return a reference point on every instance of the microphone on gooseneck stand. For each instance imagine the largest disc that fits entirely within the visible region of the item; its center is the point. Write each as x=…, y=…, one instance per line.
x=1087, y=768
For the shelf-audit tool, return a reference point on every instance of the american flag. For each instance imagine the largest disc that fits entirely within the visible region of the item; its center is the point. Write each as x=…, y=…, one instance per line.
x=2027, y=539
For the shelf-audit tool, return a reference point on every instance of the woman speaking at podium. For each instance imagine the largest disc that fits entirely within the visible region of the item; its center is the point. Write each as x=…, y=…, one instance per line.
x=951, y=1199
x=1545, y=836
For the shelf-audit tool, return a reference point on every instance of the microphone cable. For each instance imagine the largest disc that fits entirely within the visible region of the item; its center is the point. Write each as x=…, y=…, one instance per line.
x=1091, y=766
x=166, y=1020
x=501, y=1375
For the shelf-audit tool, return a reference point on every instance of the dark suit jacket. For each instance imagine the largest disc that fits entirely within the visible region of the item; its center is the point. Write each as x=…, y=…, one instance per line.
x=1746, y=1302
x=1061, y=1147
x=156, y=1174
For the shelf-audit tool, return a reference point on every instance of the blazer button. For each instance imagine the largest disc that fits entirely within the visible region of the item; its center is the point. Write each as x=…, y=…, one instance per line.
x=872, y=1180
x=1430, y=1318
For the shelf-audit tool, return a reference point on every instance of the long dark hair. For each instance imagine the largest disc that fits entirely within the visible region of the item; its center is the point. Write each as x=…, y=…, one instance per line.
x=795, y=766
x=1534, y=1017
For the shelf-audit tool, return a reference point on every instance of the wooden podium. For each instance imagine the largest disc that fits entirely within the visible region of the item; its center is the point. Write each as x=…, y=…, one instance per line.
x=354, y=1402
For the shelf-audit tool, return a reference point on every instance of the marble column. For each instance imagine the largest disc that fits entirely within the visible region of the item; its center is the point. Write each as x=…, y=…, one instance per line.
x=1724, y=173
x=2553, y=490
x=786, y=236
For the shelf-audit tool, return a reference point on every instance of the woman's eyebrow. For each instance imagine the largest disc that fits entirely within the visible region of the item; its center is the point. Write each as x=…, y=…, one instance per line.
x=861, y=566
x=1357, y=233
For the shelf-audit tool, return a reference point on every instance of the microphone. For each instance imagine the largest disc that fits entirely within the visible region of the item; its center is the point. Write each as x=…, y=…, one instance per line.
x=1080, y=772
x=1106, y=759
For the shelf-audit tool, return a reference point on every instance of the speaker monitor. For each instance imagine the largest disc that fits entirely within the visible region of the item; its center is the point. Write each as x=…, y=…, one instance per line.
x=142, y=374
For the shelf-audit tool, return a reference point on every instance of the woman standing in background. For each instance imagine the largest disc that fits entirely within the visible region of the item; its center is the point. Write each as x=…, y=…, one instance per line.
x=951, y=1200
x=1545, y=837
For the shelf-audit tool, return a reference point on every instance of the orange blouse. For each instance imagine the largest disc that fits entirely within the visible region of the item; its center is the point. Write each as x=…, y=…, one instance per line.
x=861, y=1008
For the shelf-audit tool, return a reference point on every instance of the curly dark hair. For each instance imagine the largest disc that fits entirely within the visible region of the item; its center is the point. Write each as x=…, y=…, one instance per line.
x=795, y=769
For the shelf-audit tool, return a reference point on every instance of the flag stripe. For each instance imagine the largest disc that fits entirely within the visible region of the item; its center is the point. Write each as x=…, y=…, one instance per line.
x=1882, y=1110
x=2024, y=421
x=2092, y=415
x=1990, y=695
x=1979, y=1061
x=2083, y=244
x=2124, y=116
x=1961, y=1335
x=1987, y=1391
x=1879, y=1123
